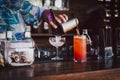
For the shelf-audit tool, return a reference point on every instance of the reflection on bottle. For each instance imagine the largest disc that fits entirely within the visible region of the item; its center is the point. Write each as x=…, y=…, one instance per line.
x=108, y=63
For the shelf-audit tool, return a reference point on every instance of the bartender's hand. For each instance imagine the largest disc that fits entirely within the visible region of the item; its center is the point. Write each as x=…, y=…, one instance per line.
x=59, y=18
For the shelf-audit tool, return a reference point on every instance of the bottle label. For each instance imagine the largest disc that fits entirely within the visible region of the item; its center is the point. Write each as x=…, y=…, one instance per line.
x=9, y=34
x=27, y=34
x=2, y=35
x=46, y=26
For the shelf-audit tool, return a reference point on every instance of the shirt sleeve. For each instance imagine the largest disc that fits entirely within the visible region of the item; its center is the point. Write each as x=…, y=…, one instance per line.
x=6, y=19
x=31, y=14
x=1, y=2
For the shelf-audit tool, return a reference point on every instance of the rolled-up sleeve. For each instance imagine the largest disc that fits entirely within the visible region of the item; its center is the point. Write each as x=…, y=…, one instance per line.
x=31, y=14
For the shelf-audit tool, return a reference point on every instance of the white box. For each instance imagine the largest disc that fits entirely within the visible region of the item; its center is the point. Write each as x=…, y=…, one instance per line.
x=20, y=44
x=20, y=56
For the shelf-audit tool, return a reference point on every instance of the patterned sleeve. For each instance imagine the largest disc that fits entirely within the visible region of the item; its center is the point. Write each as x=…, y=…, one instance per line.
x=1, y=2
x=31, y=14
x=6, y=19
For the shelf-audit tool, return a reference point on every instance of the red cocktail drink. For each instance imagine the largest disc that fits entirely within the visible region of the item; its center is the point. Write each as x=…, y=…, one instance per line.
x=80, y=48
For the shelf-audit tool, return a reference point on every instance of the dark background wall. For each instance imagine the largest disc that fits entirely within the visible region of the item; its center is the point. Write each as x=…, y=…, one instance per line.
x=89, y=12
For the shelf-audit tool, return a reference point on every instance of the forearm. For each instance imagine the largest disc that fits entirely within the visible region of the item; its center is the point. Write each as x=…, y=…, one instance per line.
x=31, y=14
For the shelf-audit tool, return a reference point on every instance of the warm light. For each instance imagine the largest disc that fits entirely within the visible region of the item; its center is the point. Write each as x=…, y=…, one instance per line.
x=107, y=10
x=100, y=0
x=116, y=10
x=106, y=26
x=116, y=15
x=116, y=0
x=106, y=20
x=108, y=0
x=116, y=5
x=107, y=14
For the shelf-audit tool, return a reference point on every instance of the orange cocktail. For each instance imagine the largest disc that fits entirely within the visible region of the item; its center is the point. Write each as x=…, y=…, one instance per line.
x=80, y=48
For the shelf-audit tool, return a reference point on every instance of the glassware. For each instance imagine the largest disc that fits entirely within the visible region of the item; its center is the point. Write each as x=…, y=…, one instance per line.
x=47, y=4
x=65, y=4
x=58, y=4
x=2, y=35
x=80, y=49
x=19, y=53
x=90, y=51
x=9, y=33
x=37, y=2
x=57, y=41
x=88, y=39
x=52, y=4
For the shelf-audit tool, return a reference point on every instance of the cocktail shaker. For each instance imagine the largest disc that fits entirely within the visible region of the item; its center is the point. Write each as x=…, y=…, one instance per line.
x=62, y=28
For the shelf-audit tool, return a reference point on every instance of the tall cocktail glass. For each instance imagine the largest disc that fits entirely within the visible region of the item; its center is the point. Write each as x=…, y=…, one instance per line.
x=80, y=51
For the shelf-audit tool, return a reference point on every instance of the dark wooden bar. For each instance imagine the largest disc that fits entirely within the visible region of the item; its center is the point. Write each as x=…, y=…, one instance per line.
x=108, y=69
x=104, y=31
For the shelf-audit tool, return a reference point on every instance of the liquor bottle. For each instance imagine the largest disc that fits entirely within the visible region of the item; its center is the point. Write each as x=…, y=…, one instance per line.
x=64, y=27
x=58, y=4
x=9, y=34
x=27, y=33
x=45, y=27
x=2, y=35
x=34, y=29
x=88, y=41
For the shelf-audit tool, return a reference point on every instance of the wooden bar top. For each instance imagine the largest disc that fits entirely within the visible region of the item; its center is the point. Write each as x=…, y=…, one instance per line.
x=65, y=70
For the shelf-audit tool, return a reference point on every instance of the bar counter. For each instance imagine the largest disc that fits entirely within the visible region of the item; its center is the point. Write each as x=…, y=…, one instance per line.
x=93, y=69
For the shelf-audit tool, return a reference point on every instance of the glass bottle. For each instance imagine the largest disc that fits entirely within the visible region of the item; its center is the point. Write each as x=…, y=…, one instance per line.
x=88, y=39
x=58, y=3
x=45, y=27
x=27, y=33
x=88, y=42
x=46, y=3
x=9, y=33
